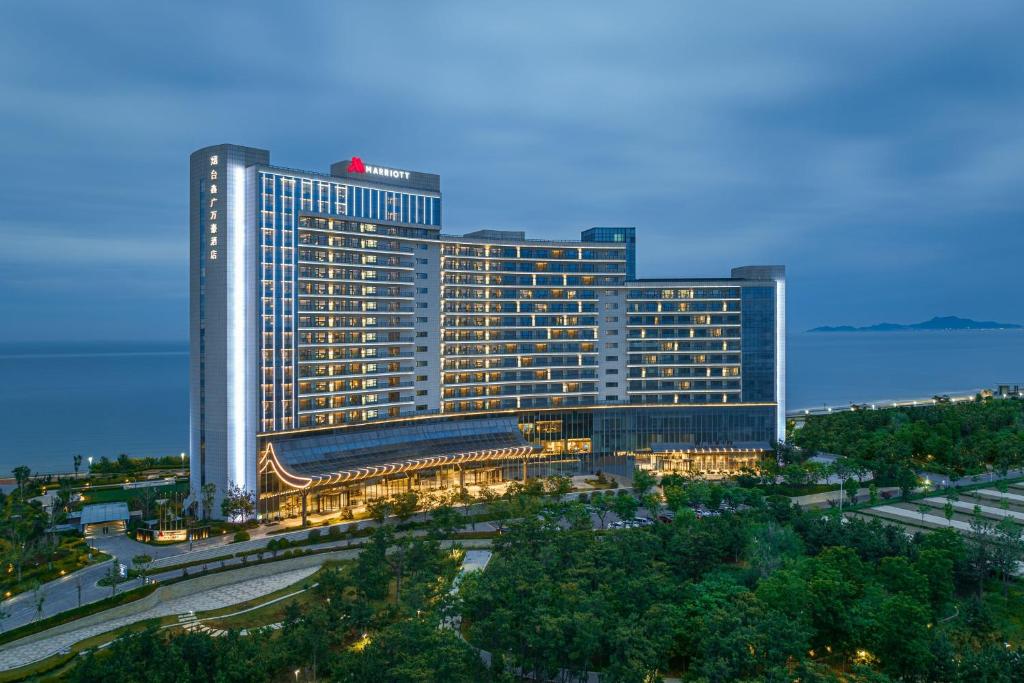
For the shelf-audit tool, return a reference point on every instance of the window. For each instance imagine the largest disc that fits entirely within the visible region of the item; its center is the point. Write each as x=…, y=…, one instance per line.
x=421, y=276
x=421, y=378
x=421, y=334
x=611, y=385
x=421, y=349
x=612, y=397
x=421, y=407
x=611, y=371
x=421, y=392
x=421, y=318
x=421, y=363
x=421, y=290
x=421, y=261
x=421, y=304
x=611, y=359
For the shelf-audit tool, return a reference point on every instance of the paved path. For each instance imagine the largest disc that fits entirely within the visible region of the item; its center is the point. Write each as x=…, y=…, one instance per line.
x=930, y=521
x=986, y=510
x=992, y=493
x=14, y=655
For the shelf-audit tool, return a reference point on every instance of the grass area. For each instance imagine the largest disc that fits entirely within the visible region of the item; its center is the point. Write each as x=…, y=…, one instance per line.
x=119, y=494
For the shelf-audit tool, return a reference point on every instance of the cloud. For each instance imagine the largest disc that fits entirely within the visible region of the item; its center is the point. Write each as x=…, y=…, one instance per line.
x=875, y=146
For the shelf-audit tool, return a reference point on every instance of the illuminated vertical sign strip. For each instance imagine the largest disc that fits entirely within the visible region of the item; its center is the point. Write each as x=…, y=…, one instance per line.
x=780, y=359
x=237, y=422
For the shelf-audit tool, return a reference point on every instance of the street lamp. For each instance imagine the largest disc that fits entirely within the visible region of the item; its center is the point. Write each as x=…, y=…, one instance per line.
x=297, y=673
x=90, y=461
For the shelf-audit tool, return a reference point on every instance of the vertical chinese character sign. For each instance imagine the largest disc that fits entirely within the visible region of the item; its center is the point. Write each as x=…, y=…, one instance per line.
x=214, y=236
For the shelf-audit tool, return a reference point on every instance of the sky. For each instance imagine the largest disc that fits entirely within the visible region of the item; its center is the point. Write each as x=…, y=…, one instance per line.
x=874, y=148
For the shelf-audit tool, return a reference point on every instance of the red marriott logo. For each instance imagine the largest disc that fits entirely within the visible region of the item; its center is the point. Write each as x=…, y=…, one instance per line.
x=356, y=166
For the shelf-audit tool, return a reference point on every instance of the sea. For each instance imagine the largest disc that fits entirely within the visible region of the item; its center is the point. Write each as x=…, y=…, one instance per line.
x=99, y=399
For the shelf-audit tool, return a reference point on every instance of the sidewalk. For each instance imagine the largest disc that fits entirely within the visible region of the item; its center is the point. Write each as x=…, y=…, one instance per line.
x=16, y=655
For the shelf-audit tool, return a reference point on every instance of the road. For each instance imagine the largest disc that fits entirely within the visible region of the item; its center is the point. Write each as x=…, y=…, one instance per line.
x=885, y=403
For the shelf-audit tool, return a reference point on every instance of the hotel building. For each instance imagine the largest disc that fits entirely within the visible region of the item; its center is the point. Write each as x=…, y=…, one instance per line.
x=344, y=348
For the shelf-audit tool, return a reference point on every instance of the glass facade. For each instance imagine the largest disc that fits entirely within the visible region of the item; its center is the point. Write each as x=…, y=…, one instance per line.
x=336, y=299
x=520, y=323
x=684, y=342
x=624, y=236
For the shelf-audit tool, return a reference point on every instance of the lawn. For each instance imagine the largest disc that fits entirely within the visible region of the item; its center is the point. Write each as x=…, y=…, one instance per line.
x=115, y=495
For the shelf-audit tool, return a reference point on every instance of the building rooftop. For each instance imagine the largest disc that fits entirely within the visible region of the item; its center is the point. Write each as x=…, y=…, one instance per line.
x=104, y=512
x=352, y=455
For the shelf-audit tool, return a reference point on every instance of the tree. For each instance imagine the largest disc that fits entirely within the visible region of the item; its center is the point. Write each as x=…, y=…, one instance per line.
x=38, y=598
x=380, y=509
x=625, y=507
x=500, y=512
x=208, y=492
x=558, y=486
x=142, y=563
x=851, y=485
x=237, y=503
x=444, y=520
x=923, y=510
x=770, y=546
x=643, y=481
x=1009, y=550
x=652, y=503
x=948, y=511
x=78, y=463
x=413, y=651
x=21, y=476
x=602, y=506
x=405, y=505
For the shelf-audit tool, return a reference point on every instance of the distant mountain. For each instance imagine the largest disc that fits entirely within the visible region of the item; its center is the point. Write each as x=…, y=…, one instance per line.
x=949, y=322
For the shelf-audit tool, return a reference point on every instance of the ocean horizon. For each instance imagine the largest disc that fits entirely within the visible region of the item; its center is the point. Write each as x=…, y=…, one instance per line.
x=106, y=398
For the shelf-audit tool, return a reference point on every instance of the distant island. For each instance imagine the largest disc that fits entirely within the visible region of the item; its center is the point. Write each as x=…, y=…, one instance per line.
x=949, y=322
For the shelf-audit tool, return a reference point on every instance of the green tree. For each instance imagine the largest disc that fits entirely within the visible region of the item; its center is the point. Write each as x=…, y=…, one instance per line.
x=141, y=563
x=643, y=481
x=208, y=492
x=602, y=505
x=22, y=474
x=405, y=505
x=413, y=651
x=625, y=506
x=237, y=503
x=380, y=509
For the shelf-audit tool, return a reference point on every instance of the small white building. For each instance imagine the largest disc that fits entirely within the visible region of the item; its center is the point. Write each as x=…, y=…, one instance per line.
x=104, y=519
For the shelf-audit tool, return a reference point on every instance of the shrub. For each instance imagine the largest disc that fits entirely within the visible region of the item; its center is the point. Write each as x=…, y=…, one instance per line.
x=314, y=536
x=334, y=533
x=241, y=536
x=583, y=498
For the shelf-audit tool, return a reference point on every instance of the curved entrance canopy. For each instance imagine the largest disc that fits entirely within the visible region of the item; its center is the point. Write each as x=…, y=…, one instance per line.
x=354, y=455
